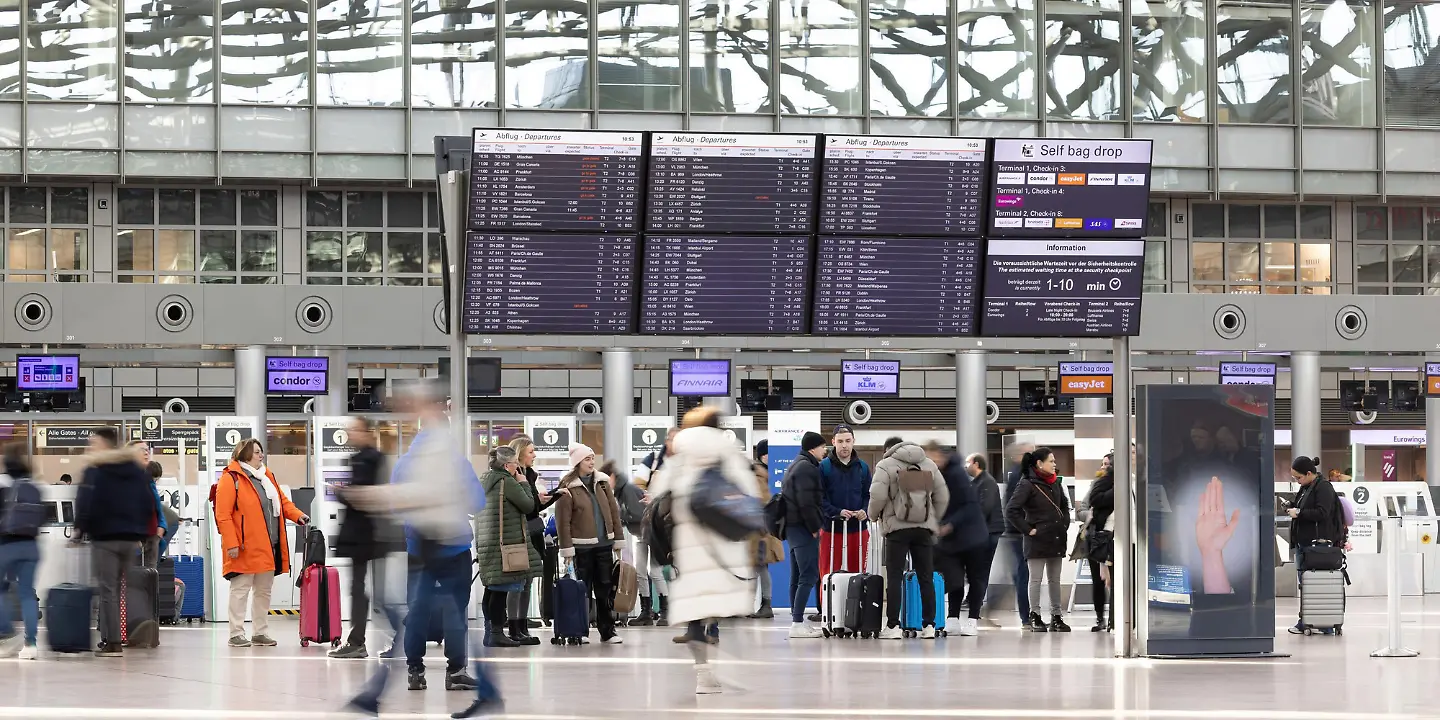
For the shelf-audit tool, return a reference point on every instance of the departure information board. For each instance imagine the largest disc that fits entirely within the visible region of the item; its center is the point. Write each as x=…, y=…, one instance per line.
x=896, y=286
x=903, y=185
x=726, y=182
x=555, y=180
x=1062, y=288
x=1070, y=188
x=725, y=284
x=548, y=283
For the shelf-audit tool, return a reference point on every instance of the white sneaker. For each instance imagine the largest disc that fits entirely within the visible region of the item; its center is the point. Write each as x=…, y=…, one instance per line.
x=705, y=681
x=614, y=640
x=30, y=653
x=928, y=633
x=803, y=631
x=968, y=627
x=892, y=633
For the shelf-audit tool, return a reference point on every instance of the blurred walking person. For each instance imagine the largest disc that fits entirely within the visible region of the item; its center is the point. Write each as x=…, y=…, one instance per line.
x=22, y=512
x=364, y=538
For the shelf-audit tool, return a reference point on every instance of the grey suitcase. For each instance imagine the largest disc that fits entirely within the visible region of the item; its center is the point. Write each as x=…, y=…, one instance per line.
x=1322, y=600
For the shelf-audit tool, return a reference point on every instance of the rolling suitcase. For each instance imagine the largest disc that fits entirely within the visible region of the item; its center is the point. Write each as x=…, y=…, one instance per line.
x=69, y=609
x=572, y=609
x=912, y=614
x=168, y=606
x=320, y=606
x=835, y=588
x=140, y=608
x=550, y=569
x=865, y=601
x=1322, y=600
x=190, y=571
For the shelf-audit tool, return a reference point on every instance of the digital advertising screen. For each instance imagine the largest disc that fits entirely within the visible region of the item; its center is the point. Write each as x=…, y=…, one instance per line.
x=903, y=185
x=1247, y=373
x=896, y=285
x=700, y=378
x=869, y=378
x=555, y=180
x=729, y=182
x=1087, y=378
x=725, y=284
x=1062, y=288
x=1070, y=188
x=47, y=372
x=297, y=375
x=1207, y=453
x=548, y=283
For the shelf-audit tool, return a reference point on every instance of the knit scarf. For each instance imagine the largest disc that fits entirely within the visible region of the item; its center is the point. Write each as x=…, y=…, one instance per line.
x=1047, y=477
x=270, y=492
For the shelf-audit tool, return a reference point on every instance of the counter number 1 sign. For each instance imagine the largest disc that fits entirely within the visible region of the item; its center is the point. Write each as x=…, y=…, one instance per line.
x=152, y=425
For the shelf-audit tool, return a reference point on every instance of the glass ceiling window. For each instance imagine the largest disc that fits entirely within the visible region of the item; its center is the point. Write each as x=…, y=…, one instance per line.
x=996, y=68
x=73, y=46
x=265, y=52
x=358, y=52
x=910, y=60
x=169, y=50
x=1253, y=67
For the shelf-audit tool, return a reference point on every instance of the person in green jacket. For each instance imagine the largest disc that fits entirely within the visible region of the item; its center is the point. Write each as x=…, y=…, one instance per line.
x=507, y=501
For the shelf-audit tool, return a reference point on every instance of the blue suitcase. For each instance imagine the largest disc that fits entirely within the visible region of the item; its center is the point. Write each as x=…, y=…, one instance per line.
x=190, y=570
x=572, y=611
x=912, y=615
x=68, y=610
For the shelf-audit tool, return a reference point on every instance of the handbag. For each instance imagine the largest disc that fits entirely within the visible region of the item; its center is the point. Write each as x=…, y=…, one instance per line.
x=516, y=557
x=1321, y=555
x=723, y=508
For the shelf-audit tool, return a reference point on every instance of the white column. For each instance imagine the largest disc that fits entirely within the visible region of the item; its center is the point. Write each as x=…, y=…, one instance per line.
x=250, y=385
x=337, y=401
x=617, y=372
x=1305, y=404
x=970, y=399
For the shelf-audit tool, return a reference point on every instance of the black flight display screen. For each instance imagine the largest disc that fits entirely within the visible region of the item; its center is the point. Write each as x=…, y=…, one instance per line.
x=727, y=182
x=548, y=283
x=1070, y=188
x=567, y=180
x=903, y=185
x=896, y=285
x=1062, y=288
x=725, y=284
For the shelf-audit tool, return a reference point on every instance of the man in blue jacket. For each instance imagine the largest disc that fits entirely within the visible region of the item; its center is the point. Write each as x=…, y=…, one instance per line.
x=845, y=494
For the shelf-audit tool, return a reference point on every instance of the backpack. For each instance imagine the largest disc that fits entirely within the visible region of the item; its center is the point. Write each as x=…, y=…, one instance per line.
x=915, y=488
x=23, y=511
x=775, y=512
x=725, y=509
x=658, y=528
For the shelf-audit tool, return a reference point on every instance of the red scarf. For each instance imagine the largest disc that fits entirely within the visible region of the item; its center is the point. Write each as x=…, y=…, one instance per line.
x=1047, y=477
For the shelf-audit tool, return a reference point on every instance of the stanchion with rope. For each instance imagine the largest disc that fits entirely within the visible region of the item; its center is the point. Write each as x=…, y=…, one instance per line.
x=1390, y=536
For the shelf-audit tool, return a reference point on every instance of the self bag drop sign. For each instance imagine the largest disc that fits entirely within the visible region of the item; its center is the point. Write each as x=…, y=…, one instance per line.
x=700, y=378
x=297, y=375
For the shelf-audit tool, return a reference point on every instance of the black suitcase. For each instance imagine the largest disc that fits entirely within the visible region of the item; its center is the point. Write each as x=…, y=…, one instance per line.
x=315, y=549
x=864, y=605
x=167, y=611
x=141, y=608
x=68, y=610
x=550, y=562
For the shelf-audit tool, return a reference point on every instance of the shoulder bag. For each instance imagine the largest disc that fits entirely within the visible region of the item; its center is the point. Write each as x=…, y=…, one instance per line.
x=513, y=558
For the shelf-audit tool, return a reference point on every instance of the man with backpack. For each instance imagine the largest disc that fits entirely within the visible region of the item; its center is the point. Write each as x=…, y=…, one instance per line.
x=908, y=498
x=22, y=512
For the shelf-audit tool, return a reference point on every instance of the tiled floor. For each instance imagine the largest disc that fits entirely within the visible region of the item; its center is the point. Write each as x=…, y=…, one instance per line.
x=1001, y=674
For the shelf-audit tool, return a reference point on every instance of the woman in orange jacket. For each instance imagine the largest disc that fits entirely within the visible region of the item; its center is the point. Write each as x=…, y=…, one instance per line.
x=250, y=512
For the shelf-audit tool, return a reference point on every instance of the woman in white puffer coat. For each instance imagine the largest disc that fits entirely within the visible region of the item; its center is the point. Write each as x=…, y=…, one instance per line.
x=715, y=577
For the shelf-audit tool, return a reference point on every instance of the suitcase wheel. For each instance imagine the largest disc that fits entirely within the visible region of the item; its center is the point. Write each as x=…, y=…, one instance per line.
x=573, y=641
x=556, y=641
x=335, y=643
x=1309, y=632
x=825, y=632
x=304, y=643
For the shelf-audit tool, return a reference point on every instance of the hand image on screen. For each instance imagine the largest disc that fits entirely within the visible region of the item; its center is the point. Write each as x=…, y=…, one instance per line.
x=1211, y=534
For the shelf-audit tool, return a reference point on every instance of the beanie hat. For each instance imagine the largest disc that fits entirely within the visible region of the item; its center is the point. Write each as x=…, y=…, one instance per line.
x=578, y=453
x=762, y=449
x=811, y=440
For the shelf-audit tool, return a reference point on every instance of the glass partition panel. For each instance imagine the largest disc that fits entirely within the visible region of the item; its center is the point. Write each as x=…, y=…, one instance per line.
x=1412, y=35
x=452, y=47
x=59, y=446
x=1082, y=59
x=910, y=61
x=547, y=56
x=265, y=52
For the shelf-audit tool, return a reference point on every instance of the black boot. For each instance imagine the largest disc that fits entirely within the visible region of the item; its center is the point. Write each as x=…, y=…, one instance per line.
x=766, y=612
x=663, y=619
x=1058, y=625
x=1037, y=623
x=647, y=615
x=520, y=635
x=497, y=637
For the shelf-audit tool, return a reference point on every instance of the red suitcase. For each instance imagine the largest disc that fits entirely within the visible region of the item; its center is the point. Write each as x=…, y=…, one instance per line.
x=320, y=606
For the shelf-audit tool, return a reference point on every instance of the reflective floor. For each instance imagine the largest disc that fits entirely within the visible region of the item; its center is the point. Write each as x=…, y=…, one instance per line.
x=1001, y=674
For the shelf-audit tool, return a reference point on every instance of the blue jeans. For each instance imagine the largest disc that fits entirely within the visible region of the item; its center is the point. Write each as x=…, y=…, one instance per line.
x=440, y=584
x=17, y=574
x=804, y=570
x=1021, y=575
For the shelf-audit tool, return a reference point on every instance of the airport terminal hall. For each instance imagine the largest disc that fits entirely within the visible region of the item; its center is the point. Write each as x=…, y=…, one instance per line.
x=776, y=359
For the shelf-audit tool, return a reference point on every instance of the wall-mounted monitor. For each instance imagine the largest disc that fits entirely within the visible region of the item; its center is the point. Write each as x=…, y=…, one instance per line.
x=297, y=375
x=700, y=378
x=482, y=376
x=870, y=377
x=47, y=372
x=1247, y=373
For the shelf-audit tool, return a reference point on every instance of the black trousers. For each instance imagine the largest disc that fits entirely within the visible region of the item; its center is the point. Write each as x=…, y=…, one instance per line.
x=919, y=545
x=1100, y=594
x=596, y=567
x=359, y=599
x=968, y=568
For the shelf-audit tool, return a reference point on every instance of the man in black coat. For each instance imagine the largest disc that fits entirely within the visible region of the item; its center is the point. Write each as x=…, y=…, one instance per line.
x=363, y=535
x=963, y=548
x=803, y=520
x=115, y=510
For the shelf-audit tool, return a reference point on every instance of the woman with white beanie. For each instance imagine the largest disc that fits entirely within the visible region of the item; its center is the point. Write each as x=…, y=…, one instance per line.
x=587, y=522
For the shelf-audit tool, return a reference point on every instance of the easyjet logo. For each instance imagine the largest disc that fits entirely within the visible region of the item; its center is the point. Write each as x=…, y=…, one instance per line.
x=1086, y=385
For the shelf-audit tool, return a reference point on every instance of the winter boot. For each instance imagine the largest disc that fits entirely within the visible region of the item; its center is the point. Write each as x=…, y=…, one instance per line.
x=766, y=612
x=520, y=636
x=496, y=637
x=647, y=614
x=1058, y=625
x=1037, y=623
x=663, y=619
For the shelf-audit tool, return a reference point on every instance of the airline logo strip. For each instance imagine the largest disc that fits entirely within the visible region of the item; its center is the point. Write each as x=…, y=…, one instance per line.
x=1071, y=188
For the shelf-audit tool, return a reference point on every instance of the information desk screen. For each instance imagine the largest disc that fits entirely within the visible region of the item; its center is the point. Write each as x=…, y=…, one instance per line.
x=726, y=182
x=47, y=372
x=896, y=285
x=1070, y=188
x=726, y=284
x=903, y=185
x=1062, y=288
x=548, y=283
x=554, y=180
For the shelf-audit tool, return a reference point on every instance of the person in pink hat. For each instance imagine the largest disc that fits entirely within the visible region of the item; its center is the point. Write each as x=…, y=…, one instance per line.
x=587, y=522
